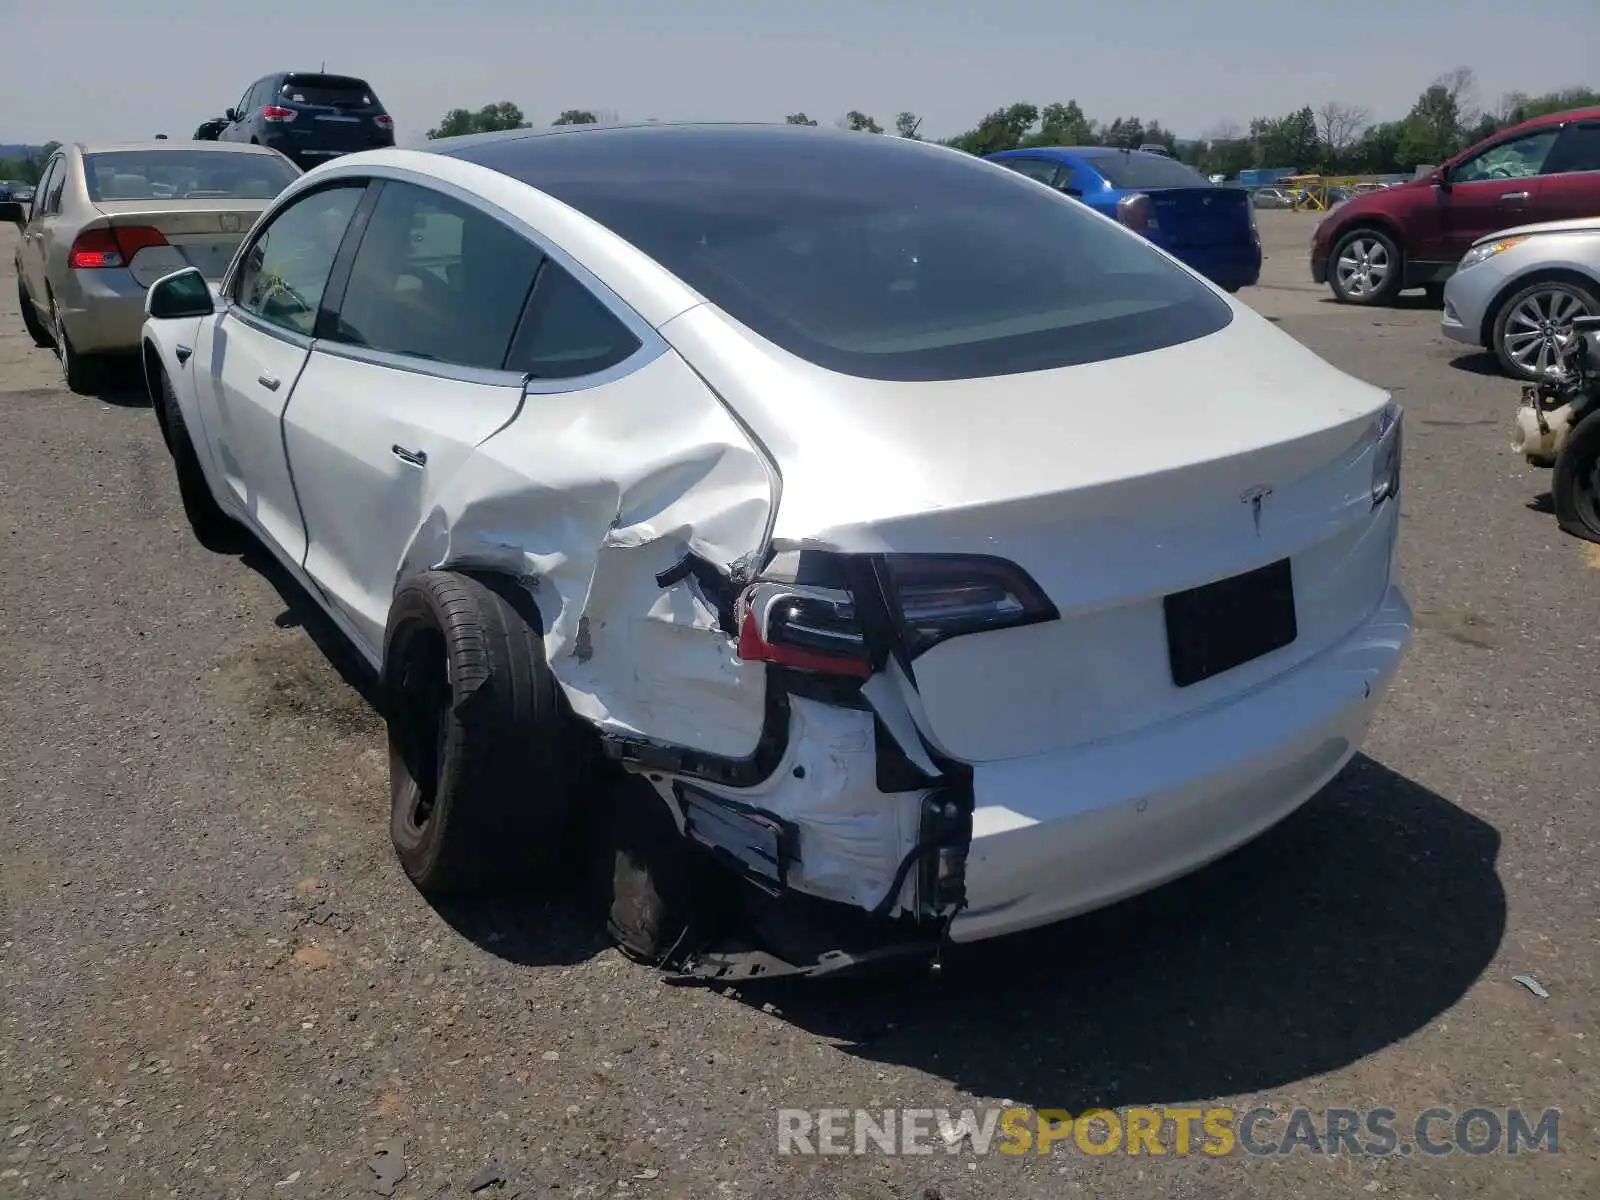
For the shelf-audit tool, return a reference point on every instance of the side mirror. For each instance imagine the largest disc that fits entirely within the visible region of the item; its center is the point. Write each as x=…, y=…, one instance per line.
x=184, y=293
x=1439, y=179
x=14, y=212
x=232, y=114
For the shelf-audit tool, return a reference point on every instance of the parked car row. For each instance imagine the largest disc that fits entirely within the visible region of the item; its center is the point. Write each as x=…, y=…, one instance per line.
x=1500, y=232
x=709, y=502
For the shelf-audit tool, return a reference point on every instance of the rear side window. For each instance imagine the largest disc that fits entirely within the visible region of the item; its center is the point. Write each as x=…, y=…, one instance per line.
x=186, y=175
x=880, y=257
x=1577, y=149
x=436, y=279
x=337, y=90
x=567, y=333
x=1134, y=170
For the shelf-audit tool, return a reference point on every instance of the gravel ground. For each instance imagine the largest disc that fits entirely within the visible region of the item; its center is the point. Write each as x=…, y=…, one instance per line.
x=218, y=983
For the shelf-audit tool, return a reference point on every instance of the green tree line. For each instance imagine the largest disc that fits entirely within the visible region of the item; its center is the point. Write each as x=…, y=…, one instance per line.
x=1332, y=138
x=27, y=168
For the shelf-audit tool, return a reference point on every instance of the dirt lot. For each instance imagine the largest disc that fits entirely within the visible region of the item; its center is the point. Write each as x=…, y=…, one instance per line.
x=218, y=983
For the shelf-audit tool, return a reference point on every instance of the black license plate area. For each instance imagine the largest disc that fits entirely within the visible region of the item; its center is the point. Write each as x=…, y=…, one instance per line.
x=1222, y=625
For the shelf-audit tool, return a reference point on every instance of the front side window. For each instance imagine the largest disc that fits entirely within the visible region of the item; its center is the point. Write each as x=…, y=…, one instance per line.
x=1517, y=158
x=1577, y=149
x=877, y=257
x=436, y=279
x=287, y=267
x=185, y=175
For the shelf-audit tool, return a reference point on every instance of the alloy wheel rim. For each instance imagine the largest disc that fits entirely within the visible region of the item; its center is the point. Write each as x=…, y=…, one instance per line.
x=1534, y=326
x=1363, y=266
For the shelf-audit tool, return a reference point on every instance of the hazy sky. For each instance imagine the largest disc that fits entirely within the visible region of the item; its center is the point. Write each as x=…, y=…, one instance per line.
x=104, y=69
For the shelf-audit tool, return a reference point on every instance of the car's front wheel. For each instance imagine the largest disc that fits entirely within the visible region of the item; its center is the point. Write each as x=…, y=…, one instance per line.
x=483, y=761
x=30, y=318
x=212, y=527
x=1575, y=483
x=1365, y=267
x=1529, y=324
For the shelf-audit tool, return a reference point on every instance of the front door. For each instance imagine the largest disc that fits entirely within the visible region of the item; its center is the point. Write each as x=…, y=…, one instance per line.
x=407, y=377
x=1496, y=188
x=257, y=352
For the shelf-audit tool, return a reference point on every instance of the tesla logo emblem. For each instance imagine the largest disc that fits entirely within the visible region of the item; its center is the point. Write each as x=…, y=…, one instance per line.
x=1253, y=497
x=229, y=223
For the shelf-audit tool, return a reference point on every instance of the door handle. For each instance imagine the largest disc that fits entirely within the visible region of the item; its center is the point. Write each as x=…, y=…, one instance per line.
x=1514, y=196
x=268, y=381
x=417, y=458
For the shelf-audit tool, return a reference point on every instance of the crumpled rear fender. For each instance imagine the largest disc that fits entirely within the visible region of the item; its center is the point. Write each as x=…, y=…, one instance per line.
x=586, y=497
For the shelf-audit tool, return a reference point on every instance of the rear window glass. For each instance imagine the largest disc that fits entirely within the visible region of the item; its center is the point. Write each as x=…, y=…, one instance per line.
x=327, y=89
x=1146, y=171
x=876, y=257
x=186, y=175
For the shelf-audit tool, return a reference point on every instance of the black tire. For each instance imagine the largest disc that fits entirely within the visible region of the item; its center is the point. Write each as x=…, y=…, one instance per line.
x=1366, y=245
x=212, y=527
x=83, y=373
x=484, y=761
x=1567, y=288
x=1575, y=483
x=30, y=319
x=642, y=873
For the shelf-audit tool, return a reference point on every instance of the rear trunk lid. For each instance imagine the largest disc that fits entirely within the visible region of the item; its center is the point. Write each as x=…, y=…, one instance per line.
x=199, y=233
x=1114, y=485
x=1189, y=218
x=333, y=113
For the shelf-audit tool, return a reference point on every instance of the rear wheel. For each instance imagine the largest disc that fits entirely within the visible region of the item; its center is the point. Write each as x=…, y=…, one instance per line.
x=483, y=762
x=1529, y=322
x=1365, y=268
x=30, y=318
x=82, y=373
x=1575, y=484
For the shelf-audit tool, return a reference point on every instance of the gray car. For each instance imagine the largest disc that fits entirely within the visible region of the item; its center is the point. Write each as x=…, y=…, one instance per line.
x=106, y=222
x=1516, y=290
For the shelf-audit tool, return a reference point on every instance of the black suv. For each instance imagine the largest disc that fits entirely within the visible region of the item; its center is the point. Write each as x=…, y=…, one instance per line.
x=310, y=117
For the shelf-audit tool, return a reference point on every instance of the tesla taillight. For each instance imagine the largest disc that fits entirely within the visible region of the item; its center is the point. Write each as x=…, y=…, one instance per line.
x=97, y=249
x=808, y=629
x=934, y=597
x=277, y=114
x=944, y=596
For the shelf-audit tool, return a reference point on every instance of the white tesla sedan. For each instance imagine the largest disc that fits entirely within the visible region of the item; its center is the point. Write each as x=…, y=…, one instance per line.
x=845, y=539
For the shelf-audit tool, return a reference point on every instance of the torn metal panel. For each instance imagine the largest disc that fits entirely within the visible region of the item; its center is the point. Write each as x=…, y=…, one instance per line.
x=588, y=497
x=850, y=837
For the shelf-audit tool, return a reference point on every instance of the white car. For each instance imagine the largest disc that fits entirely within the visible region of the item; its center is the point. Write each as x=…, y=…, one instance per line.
x=1517, y=291
x=843, y=538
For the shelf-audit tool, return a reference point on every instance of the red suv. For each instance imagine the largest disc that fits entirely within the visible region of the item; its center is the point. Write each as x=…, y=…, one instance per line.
x=1413, y=234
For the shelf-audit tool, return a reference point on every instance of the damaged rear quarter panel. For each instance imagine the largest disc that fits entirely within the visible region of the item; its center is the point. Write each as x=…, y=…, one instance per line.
x=586, y=496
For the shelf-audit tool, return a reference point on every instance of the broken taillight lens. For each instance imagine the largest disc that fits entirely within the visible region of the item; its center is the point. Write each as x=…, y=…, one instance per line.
x=808, y=629
x=945, y=596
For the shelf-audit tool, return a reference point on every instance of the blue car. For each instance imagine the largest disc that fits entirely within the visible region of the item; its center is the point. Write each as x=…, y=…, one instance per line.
x=1210, y=227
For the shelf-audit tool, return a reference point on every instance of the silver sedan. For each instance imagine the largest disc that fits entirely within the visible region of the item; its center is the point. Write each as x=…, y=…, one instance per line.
x=105, y=222
x=1517, y=289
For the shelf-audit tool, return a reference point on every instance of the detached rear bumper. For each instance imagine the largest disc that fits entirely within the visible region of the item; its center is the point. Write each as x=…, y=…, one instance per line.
x=1059, y=834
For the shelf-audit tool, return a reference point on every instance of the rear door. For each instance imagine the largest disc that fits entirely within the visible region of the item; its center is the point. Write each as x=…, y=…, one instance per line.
x=1496, y=188
x=409, y=374
x=1570, y=184
x=259, y=348
x=30, y=250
